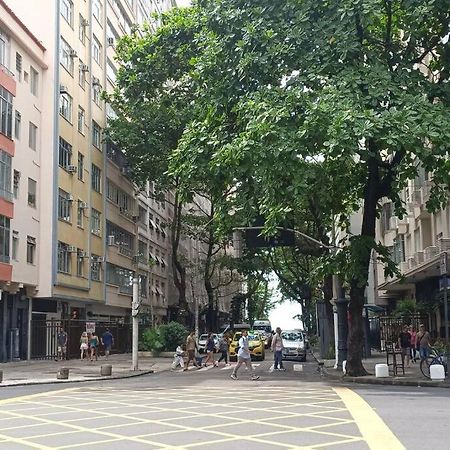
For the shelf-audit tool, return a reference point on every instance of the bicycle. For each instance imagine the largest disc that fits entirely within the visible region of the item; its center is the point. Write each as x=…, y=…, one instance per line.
x=434, y=358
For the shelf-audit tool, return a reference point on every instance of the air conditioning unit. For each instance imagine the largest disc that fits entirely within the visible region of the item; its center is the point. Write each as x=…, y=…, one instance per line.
x=84, y=68
x=110, y=41
x=96, y=81
x=111, y=240
x=63, y=89
x=73, y=53
x=85, y=22
x=100, y=259
x=71, y=249
x=70, y=198
x=83, y=254
x=82, y=205
x=71, y=169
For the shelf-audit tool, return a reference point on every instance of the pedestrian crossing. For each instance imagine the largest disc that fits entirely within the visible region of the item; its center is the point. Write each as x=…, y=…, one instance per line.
x=205, y=369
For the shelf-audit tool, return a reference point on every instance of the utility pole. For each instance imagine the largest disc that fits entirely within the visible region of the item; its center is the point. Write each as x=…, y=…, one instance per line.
x=443, y=270
x=135, y=319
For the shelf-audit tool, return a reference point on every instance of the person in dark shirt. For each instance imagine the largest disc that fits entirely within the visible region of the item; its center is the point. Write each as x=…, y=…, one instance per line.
x=107, y=342
x=404, y=342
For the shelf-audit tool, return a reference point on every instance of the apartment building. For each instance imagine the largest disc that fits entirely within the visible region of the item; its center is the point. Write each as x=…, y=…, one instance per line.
x=26, y=102
x=419, y=242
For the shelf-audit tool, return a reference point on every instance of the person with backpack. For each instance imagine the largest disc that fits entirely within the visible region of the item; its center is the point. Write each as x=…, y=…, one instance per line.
x=277, y=348
x=244, y=357
x=224, y=344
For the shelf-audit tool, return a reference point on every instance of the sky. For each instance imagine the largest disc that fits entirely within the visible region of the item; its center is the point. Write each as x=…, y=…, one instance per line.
x=183, y=2
x=282, y=315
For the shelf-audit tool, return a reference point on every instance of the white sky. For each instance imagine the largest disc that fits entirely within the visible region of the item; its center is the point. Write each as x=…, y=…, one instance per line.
x=183, y=2
x=282, y=315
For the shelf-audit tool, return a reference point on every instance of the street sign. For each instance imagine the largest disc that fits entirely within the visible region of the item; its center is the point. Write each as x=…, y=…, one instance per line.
x=443, y=264
x=90, y=327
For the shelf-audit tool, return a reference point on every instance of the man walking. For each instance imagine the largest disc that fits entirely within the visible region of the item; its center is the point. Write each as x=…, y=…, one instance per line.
x=107, y=342
x=191, y=346
x=244, y=357
x=62, y=344
x=277, y=348
x=423, y=342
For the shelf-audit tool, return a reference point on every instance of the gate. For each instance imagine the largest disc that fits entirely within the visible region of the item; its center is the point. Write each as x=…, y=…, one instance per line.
x=44, y=334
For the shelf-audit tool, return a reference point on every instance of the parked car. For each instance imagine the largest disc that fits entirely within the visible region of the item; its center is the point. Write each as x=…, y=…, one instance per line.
x=294, y=345
x=202, y=342
x=255, y=344
x=305, y=337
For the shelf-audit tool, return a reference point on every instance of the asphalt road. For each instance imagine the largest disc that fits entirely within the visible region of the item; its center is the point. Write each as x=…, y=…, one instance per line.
x=205, y=409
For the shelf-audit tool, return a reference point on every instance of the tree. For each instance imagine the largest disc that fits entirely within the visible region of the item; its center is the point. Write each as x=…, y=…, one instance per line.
x=355, y=92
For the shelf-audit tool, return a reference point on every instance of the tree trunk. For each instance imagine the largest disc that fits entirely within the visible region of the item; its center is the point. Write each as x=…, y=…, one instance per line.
x=362, y=251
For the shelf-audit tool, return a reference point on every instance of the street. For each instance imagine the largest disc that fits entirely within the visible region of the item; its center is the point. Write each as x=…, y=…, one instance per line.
x=206, y=409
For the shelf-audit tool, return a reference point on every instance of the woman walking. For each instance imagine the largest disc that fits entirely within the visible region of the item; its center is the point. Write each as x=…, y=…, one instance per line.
x=210, y=345
x=93, y=342
x=84, y=345
x=224, y=344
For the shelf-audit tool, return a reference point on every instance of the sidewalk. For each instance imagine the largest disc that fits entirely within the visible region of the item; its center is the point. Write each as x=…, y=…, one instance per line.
x=44, y=371
x=413, y=376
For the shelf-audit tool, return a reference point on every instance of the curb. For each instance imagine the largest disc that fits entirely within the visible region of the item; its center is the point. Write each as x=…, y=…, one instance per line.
x=116, y=377
x=387, y=381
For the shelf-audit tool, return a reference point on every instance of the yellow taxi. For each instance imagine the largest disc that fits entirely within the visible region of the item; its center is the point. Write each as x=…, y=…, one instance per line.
x=255, y=344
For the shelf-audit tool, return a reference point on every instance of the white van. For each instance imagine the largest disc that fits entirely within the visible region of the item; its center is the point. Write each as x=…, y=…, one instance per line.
x=265, y=327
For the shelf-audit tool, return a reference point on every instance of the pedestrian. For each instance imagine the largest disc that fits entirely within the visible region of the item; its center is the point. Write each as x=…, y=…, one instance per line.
x=93, y=344
x=277, y=348
x=210, y=347
x=84, y=345
x=178, y=359
x=191, y=347
x=244, y=357
x=62, y=344
x=404, y=342
x=423, y=342
x=224, y=344
x=107, y=342
x=413, y=333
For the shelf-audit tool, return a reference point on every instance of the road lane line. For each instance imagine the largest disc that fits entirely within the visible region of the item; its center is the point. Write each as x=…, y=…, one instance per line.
x=375, y=432
x=33, y=396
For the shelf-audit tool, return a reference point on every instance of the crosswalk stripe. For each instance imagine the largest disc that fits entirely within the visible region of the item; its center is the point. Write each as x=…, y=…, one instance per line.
x=271, y=369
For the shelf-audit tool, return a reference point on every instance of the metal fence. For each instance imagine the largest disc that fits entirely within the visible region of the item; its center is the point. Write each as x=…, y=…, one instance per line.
x=390, y=327
x=44, y=334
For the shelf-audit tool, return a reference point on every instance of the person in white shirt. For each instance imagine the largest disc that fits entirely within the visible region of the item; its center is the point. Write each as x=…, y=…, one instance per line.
x=244, y=357
x=277, y=348
x=178, y=359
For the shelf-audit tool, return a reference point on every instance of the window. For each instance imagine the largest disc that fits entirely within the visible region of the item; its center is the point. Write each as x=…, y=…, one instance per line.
x=64, y=258
x=80, y=262
x=16, y=180
x=67, y=10
x=65, y=153
x=4, y=239
x=80, y=214
x=96, y=178
x=5, y=175
x=17, y=123
x=143, y=282
x=119, y=276
x=32, y=136
x=32, y=185
x=5, y=111
x=34, y=81
x=96, y=91
x=80, y=168
x=4, y=49
x=96, y=225
x=65, y=106
x=31, y=249
x=15, y=246
x=95, y=269
x=97, y=51
x=66, y=56
x=82, y=74
x=97, y=10
x=19, y=66
x=111, y=71
x=96, y=134
x=82, y=30
x=122, y=238
x=64, y=206
x=80, y=120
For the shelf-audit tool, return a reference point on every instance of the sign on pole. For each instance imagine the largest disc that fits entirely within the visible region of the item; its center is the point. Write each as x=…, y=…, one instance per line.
x=90, y=327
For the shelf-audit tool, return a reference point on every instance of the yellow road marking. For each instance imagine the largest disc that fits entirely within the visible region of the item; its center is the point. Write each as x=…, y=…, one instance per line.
x=33, y=396
x=376, y=433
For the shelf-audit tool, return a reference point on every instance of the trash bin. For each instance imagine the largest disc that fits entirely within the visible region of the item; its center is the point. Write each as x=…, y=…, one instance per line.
x=106, y=370
x=63, y=373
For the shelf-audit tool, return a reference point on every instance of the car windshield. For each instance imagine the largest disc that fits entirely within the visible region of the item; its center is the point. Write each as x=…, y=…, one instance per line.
x=291, y=336
x=203, y=337
x=265, y=328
